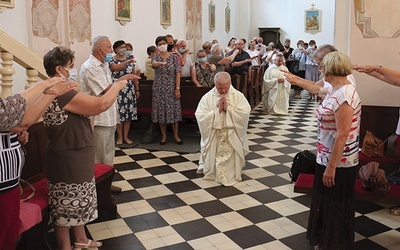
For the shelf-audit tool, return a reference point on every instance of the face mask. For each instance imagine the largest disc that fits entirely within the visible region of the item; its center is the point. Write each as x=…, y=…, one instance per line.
x=202, y=59
x=301, y=47
x=170, y=47
x=121, y=52
x=128, y=53
x=181, y=50
x=73, y=74
x=163, y=48
x=107, y=58
x=312, y=47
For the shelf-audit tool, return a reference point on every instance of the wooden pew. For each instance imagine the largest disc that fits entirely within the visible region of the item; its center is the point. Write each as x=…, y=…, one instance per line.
x=190, y=97
x=34, y=172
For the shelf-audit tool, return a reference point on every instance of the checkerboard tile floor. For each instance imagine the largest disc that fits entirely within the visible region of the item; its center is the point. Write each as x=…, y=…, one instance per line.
x=165, y=205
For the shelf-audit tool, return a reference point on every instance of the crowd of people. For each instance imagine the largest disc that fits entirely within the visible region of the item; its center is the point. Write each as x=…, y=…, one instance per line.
x=106, y=106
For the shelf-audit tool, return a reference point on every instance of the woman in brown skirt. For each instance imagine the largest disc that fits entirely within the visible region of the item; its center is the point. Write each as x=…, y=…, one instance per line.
x=70, y=153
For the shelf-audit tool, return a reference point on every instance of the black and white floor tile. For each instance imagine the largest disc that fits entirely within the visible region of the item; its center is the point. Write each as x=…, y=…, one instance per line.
x=166, y=205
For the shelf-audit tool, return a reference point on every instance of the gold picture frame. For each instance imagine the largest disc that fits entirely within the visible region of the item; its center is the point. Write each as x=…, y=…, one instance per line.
x=312, y=20
x=6, y=4
x=211, y=16
x=123, y=10
x=227, y=18
x=165, y=13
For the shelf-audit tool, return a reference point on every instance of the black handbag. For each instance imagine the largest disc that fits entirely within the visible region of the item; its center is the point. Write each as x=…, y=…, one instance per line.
x=294, y=66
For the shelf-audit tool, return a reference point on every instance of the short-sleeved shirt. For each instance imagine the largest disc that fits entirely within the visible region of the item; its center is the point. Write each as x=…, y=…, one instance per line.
x=185, y=69
x=327, y=130
x=241, y=56
x=214, y=59
x=66, y=130
x=95, y=78
x=12, y=110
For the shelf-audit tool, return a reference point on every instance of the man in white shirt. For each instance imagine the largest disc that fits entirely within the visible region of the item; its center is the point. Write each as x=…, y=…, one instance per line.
x=95, y=80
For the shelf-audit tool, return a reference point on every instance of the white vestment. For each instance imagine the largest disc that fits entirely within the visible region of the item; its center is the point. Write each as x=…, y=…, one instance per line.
x=223, y=136
x=275, y=96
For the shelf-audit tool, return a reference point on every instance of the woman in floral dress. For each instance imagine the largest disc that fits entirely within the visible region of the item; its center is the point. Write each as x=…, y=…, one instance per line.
x=121, y=65
x=166, y=106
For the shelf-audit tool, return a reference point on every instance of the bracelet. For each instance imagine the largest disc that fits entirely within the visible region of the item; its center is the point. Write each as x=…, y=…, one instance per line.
x=377, y=68
x=178, y=88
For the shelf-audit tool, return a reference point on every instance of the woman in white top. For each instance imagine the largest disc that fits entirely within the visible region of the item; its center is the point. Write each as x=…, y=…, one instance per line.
x=231, y=46
x=331, y=222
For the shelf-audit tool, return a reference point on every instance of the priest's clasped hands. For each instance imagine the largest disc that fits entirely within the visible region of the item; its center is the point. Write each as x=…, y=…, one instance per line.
x=223, y=103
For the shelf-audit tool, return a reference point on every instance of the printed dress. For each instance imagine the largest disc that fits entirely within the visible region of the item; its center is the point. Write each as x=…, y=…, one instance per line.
x=70, y=165
x=165, y=108
x=127, y=107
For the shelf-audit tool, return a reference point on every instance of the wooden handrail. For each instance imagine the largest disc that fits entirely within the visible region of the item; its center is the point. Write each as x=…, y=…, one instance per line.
x=22, y=55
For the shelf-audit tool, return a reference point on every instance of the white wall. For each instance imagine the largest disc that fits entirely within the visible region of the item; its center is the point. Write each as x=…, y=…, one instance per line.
x=289, y=16
x=219, y=33
x=373, y=51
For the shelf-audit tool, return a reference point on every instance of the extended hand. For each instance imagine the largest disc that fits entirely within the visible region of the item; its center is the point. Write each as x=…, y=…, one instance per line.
x=61, y=88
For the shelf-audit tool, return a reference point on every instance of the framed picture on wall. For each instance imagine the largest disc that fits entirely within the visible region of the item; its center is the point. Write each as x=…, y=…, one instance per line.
x=211, y=16
x=165, y=12
x=6, y=4
x=312, y=20
x=227, y=19
x=123, y=10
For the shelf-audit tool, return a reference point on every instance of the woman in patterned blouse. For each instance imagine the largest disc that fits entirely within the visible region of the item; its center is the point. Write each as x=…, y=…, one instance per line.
x=17, y=113
x=70, y=153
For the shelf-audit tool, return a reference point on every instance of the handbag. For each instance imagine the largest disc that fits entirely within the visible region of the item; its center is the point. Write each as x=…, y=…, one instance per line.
x=21, y=190
x=373, y=178
x=392, y=145
x=372, y=146
x=294, y=67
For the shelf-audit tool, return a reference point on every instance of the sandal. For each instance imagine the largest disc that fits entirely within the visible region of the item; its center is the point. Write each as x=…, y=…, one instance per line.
x=395, y=211
x=129, y=142
x=119, y=143
x=81, y=246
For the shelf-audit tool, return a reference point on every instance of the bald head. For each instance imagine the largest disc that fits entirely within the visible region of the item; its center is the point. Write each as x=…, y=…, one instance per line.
x=222, y=82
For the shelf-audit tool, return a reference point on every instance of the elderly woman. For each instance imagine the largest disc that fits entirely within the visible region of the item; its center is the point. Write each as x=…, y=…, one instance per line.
x=70, y=153
x=332, y=216
x=166, y=106
x=121, y=65
x=203, y=72
x=299, y=55
x=275, y=89
x=17, y=113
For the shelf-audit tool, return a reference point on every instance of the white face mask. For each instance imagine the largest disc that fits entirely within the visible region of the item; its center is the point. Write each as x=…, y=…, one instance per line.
x=163, y=48
x=73, y=74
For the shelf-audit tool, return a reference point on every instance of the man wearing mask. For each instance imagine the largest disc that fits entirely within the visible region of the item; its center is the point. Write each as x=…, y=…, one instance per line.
x=287, y=50
x=171, y=48
x=300, y=55
x=261, y=47
x=186, y=59
x=96, y=81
